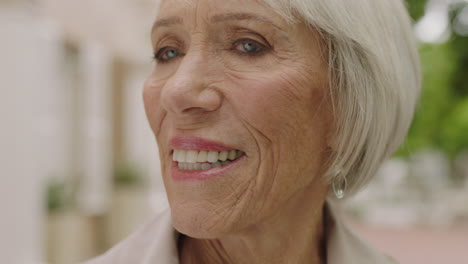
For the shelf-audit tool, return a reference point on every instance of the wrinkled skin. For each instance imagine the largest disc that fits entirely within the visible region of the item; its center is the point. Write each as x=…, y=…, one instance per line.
x=257, y=84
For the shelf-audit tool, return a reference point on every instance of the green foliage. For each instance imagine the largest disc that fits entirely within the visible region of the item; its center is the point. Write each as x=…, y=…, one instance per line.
x=128, y=175
x=454, y=129
x=441, y=119
x=435, y=101
x=460, y=47
x=416, y=8
x=58, y=196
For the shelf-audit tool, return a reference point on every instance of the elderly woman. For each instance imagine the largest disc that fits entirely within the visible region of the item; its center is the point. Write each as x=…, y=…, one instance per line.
x=263, y=111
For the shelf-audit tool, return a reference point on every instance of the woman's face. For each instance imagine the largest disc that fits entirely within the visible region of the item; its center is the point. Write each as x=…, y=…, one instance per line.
x=239, y=98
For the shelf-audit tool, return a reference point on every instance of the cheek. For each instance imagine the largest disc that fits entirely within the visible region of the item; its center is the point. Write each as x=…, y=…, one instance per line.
x=152, y=103
x=287, y=114
x=281, y=104
x=155, y=115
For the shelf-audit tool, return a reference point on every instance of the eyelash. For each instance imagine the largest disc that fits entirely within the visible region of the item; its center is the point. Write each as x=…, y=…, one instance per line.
x=157, y=56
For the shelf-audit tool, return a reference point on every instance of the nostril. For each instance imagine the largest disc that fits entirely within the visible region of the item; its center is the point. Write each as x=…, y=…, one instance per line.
x=191, y=109
x=195, y=111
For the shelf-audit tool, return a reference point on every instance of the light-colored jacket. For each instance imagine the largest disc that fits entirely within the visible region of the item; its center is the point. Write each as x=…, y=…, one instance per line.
x=156, y=243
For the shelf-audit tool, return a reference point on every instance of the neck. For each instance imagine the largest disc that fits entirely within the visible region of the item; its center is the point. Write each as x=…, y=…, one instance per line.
x=293, y=235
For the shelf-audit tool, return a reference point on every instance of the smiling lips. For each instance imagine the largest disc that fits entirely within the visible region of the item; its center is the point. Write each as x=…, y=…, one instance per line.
x=195, y=160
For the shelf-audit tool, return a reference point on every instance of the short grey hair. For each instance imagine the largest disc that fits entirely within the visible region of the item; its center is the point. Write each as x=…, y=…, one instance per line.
x=375, y=79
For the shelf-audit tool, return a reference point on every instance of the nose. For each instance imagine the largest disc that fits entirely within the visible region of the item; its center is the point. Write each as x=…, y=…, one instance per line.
x=188, y=90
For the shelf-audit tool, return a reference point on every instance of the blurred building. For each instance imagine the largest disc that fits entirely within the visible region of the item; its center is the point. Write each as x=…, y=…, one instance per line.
x=71, y=111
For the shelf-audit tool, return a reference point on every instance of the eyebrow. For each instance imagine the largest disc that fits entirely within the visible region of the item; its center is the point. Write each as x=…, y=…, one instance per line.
x=170, y=21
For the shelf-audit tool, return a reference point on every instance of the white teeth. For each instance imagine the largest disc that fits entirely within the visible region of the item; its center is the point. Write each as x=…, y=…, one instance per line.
x=181, y=165
x=189, y=166
x=180, y=155
x=205, y=166
x=191, y=156
x=213, y=156
x=197, y=166
x=202, y=156
x=201, y=166
x=232, y=154
x=223, y=155
x=175, y=154
x=203, y=160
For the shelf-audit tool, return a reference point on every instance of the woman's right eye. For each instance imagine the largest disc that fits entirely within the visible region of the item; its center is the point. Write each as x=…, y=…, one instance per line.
x=166, y=54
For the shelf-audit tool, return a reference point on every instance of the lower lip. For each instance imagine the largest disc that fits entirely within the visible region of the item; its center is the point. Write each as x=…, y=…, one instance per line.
x=186, y=175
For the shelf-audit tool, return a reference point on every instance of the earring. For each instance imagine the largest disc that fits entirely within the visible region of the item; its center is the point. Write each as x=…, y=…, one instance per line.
x=339, y=187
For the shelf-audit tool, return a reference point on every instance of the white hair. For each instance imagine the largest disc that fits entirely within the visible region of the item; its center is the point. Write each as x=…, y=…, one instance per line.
x=375, y=79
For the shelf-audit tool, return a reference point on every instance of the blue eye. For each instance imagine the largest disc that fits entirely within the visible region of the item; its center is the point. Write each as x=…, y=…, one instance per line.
x=166, y=54
x=248, y=46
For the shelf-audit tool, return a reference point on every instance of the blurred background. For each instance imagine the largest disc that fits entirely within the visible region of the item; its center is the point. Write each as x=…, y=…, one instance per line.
x=79, y=165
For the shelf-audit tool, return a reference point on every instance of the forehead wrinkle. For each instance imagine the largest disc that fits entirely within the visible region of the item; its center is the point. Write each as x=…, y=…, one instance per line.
x=237, y=16
x=176, y=20
x=167, y=22
x=195, y=4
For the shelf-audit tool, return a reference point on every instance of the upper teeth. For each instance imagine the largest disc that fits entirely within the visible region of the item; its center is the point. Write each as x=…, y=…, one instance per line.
x=194, y=156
